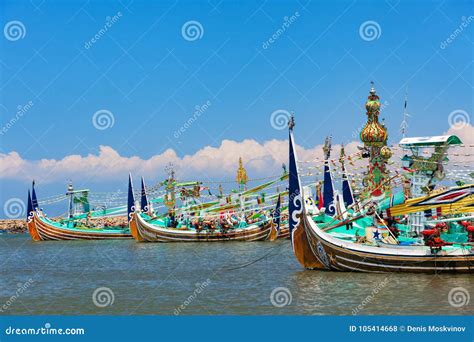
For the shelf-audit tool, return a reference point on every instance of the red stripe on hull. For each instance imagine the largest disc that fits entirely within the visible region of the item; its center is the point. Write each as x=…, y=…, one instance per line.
x=50, y=232
x=157, y=234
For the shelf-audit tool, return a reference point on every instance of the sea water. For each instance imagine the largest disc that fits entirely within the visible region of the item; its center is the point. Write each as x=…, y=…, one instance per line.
x=123, y=277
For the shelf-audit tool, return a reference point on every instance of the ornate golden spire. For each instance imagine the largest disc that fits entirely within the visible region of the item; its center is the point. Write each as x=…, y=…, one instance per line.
x=241, y=178
x=374, y=133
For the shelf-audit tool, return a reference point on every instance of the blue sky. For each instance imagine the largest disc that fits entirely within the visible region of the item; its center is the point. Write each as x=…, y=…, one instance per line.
x=150, y=78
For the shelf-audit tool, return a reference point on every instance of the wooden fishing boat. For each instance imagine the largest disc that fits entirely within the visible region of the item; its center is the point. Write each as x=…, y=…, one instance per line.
x=315, y=248
x=30, y=215
x=146, y=228
x=283, y=233
x=42, y=228
x=157, y=233
x=275, y=222
x=455, y=200
x=47, y=229
x=278, y=230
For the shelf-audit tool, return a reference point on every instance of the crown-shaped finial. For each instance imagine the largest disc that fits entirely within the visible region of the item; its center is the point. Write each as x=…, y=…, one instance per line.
x=372, y=88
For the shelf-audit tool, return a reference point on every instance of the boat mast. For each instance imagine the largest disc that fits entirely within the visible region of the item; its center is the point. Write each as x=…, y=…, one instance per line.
x=70, y=194
x=404, y=124
x=242, y=180
x=170, y=196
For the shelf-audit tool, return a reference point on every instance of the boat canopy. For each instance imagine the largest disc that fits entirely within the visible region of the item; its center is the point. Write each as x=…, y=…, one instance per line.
x=430, y=141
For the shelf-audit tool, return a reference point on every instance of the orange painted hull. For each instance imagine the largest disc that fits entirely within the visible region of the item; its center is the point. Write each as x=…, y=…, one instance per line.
x=32, y=229
x=134, y=230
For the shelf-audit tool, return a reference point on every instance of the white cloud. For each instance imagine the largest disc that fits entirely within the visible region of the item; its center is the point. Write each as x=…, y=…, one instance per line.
x=259, y=158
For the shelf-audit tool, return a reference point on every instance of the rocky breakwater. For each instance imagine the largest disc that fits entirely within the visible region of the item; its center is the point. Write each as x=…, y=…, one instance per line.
x=13, y=226
x=17, y=226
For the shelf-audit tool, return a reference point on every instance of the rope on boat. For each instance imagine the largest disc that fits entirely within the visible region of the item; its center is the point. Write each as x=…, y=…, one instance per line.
x=361, y=207
x=349, y=157
x=236, y=211
x=52, y=200
x=279, y=244
x=234, y=181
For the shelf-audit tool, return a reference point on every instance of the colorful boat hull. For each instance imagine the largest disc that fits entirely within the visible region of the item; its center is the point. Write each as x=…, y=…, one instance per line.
x=316, y=249
x=154, y=233
x=42, y=229
x=338, y=255
x=31, y=224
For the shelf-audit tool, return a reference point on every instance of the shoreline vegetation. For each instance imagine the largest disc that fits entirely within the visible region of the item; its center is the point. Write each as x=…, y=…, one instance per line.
x=18, y=226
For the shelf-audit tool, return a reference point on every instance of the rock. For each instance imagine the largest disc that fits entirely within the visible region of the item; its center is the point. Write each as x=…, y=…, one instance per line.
x=13, y=226
x=19, y=225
